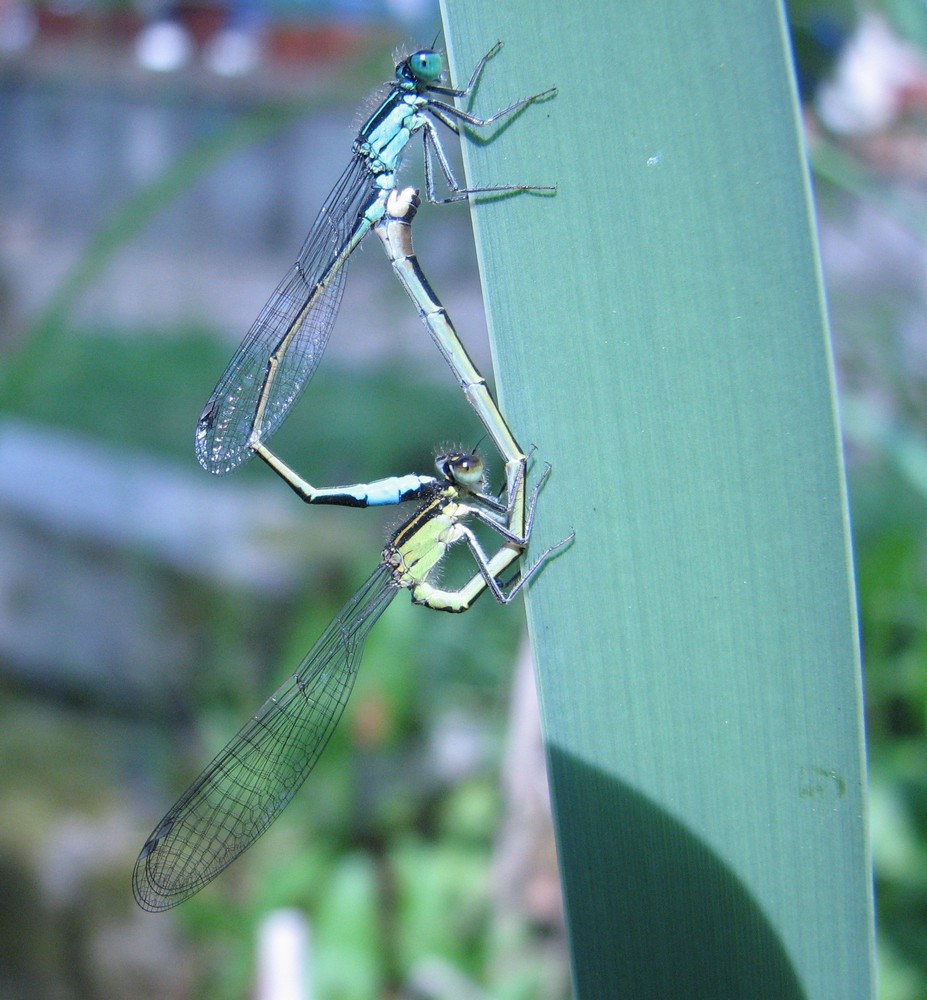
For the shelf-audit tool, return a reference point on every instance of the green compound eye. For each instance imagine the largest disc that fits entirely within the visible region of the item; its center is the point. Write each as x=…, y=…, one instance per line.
x=426, y=66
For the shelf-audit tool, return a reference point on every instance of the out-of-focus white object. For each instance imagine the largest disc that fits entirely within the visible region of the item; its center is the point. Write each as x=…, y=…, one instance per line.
x=164, y=47
x=233, y=52
x=873, y=78
x=283, y=956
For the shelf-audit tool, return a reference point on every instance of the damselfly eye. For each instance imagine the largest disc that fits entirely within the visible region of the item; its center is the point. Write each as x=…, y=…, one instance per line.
x=426, y=66
x=465, y=468
x=468, y=469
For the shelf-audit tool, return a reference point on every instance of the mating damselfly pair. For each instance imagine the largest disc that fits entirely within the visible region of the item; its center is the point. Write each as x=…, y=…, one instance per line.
x=254, y=777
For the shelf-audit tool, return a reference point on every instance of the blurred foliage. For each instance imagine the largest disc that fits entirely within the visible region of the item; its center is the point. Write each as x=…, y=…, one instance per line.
x=890, y=535
x=870, y=193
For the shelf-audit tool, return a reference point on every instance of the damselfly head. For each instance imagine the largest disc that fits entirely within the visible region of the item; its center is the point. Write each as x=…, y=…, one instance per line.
x=463, y=468
x=424, y=66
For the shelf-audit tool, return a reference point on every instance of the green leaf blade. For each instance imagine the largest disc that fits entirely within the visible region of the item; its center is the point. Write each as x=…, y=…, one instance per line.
x=659, y=333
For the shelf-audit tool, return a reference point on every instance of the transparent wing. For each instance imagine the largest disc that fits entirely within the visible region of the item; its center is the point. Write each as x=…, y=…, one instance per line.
x=252, y=780
x=297, y=311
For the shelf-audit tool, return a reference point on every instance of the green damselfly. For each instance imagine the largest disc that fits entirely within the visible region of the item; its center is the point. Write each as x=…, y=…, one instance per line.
x=281, y=351
x=253, y=779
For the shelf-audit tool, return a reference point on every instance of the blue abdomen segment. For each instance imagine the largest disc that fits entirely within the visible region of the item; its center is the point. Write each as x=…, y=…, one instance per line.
x=398, y=489
x=382, y=493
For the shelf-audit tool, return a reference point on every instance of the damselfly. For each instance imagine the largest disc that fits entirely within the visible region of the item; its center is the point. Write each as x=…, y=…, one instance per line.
x=253, y=779
x=281, y=351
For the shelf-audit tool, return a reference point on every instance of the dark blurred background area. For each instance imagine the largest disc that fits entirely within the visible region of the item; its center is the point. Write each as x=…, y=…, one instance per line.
x=160, y=165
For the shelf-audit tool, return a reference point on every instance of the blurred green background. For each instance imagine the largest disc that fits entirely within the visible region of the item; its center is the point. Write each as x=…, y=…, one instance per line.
x=153, y=188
